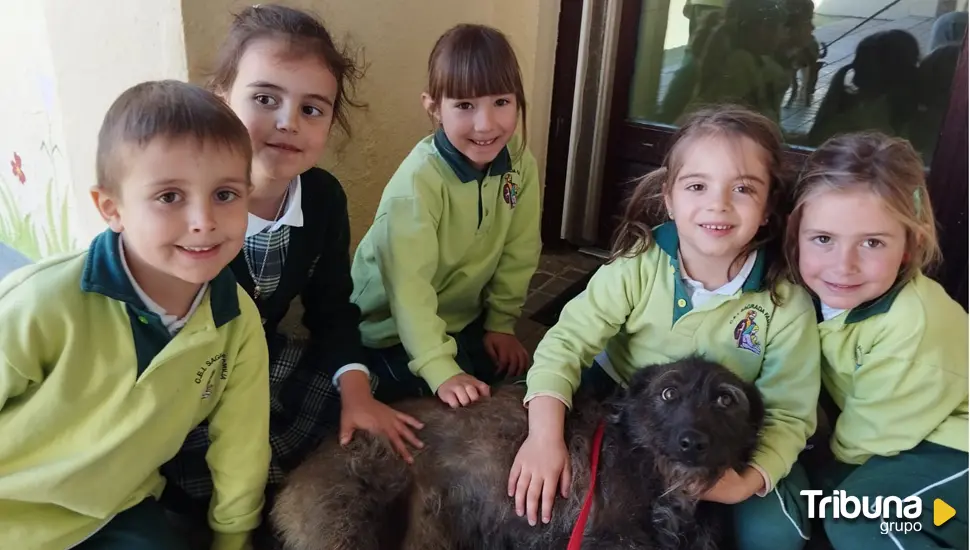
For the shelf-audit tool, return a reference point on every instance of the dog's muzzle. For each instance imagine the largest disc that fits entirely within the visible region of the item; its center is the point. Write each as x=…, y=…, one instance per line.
x=691, y=446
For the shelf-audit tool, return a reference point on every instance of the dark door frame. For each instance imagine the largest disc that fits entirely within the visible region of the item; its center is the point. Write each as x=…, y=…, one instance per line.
x=948, y=185
x=560, y=121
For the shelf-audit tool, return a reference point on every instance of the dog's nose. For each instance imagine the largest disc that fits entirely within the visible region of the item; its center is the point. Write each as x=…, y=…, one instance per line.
x=692, y=441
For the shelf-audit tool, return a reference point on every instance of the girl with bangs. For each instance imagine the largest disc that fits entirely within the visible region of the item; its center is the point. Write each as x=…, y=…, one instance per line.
x=442, y=274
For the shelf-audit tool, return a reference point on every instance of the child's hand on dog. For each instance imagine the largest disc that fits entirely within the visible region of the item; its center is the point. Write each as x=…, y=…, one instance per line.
x=461, y=390
x=733, y=487
x=542, y=462
x=507, y=352
x=360, y=411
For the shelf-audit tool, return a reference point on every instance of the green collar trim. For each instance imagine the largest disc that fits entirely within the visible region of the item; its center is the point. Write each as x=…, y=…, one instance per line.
x=876, y=306
x=861, y=312
x=667, y=239
x=104, y=274
x=464, y=169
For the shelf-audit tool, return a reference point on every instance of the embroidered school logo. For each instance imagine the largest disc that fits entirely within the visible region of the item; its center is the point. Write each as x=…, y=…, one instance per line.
x=210, y=369
x=207, y=392
x=746, y=333
x=510, y=191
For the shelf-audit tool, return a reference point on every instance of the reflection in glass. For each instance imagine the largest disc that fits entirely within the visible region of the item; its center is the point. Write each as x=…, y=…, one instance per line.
x=817, y=67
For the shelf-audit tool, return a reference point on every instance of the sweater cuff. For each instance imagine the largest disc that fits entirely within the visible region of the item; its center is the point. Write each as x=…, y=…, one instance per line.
x=231, y=541
x=764, y=475
x=437, y=371
x=544, y=383
x=347, y=368
x=496, y=321
x=770, y=466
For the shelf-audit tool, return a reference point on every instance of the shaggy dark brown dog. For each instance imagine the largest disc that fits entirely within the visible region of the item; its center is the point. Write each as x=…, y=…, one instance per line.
x=667, y=438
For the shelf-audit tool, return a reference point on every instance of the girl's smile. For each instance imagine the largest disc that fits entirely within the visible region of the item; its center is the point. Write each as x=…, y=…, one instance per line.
x=479, y=128
x=850, y=247
x=718, y=203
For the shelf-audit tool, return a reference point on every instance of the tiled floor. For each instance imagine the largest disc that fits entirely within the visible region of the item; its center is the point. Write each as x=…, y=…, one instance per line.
x=557, y=271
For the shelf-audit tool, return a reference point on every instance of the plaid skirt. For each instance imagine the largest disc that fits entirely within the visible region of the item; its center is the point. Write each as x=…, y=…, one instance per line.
x=304, y=409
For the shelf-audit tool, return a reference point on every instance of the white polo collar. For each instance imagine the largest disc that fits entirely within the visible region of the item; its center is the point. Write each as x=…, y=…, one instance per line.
x=292, y=216
x=699, y=294
x=171, y=322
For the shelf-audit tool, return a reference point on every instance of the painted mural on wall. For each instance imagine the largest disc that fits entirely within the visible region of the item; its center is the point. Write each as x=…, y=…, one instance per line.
x=40, y=227
x=37, y=210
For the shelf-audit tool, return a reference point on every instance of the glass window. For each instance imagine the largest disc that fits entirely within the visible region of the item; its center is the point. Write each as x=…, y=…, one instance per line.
x=816, y=67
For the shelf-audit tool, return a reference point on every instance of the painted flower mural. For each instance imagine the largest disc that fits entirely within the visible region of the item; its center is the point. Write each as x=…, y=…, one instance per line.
x=18, y=168
x=42, y=231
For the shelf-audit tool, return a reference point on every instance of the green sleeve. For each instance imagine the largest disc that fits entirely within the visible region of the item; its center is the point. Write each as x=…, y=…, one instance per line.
x=22, y=343
x=239, y=453
x=585, y=326
x=789, y=382
x=406, y=242
x=896, y=401
x=13, y=381
x=506, y=292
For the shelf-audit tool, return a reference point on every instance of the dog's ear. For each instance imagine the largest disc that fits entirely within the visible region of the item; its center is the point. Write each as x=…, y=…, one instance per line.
x=642, y=379
x=756, y=406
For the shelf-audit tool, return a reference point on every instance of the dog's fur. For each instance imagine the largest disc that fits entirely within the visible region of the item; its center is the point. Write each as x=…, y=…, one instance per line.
x=454, y=495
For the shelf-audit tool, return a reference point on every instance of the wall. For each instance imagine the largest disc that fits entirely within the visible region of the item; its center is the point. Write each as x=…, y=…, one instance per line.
x=97, y=54
x=63, y=71
x=395, y=39
x=67, y=67
x=35, y=182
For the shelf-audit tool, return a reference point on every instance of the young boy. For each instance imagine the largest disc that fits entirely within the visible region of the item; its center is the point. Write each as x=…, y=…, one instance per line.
x=110, y=356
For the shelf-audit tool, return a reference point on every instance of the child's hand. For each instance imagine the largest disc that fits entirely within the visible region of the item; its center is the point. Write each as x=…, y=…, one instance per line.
x=360, y=411
x=462, y=389
x=541, y=464
x=733, y=487
x=507, y=353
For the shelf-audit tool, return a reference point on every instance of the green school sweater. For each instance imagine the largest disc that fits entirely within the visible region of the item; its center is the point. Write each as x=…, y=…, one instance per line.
x=95, y=395
x=639, y=311
x=447, y=243
x=897, y=369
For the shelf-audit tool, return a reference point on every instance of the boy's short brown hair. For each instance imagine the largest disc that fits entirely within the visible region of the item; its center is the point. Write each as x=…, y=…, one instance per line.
x=167, y=109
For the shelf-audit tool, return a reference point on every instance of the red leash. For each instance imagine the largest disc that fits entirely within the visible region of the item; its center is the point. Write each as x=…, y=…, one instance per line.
x=576, y=538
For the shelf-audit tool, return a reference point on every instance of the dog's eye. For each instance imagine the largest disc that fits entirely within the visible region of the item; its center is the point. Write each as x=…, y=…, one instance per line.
x=669, y=394
x=725, y=400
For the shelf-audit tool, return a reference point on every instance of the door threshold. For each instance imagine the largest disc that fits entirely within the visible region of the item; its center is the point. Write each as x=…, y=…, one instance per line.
x=596, y=252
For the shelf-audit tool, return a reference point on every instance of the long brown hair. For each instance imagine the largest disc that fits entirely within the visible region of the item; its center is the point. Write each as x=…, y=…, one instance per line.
x=470, y=61
x=889, y=167
x=646, y=208
x=304, y=35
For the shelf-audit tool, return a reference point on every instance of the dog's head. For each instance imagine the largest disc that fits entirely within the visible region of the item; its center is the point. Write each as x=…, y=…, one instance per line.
x=692, y=414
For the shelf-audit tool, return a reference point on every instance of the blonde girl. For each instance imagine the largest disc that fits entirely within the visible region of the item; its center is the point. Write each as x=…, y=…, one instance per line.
x=894, y=344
